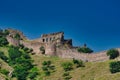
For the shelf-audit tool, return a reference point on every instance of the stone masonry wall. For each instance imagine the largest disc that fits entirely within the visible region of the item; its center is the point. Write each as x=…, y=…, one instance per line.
x=101, y=56
x=13, y=41
x=51, y=49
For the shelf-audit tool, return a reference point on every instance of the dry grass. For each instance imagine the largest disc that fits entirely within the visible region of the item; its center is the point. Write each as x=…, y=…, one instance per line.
x=91, y=71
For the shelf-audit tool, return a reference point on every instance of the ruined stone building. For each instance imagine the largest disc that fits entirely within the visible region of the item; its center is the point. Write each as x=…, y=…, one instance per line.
x=48, y=41
x=54, y=45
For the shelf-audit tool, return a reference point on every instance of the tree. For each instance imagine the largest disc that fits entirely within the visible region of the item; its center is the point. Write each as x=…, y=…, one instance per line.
x=14, y=53
x=20, y=72
x=113, y=53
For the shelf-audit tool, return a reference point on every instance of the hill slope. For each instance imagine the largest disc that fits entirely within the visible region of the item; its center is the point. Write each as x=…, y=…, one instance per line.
x=91, y=71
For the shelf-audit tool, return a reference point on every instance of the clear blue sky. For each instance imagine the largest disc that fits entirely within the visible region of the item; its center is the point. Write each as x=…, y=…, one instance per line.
x=94, y=22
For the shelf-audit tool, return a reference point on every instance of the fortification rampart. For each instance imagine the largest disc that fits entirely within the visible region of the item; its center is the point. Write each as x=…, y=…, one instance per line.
x=55, y=45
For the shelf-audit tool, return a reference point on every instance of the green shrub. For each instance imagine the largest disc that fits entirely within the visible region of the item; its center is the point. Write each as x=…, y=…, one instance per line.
x=3, y=57
x=47, y=63
x=6, y=32
x=31, y=50
x=33, y=53
x=44, y=68
x=79, y=63
x=42, y=49
x=47, y=67
x=32, y=75
x=44, y=63
x=14, y=53
x=114, y=67
x=20, y=72
x=67, y=66
x=85, y=50
x=4, y=71
x=17, y=36
x=51, y=67
x=47, y=73
x=22, y=63
x=26, y=56
x=66, y=74
x=67, y=78
x=3, y=41
x=21, y=46
x=25, y=49
x=113, y=53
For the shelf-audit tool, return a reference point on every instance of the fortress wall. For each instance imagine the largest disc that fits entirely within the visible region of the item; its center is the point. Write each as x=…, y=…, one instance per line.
x=13, y=41
x=13, y=32
x=35, y=46
x=50, y=49
x=85, y=57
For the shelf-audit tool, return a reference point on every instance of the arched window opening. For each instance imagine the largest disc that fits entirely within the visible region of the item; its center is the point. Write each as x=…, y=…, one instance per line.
x=46, y=39
x=43, y=40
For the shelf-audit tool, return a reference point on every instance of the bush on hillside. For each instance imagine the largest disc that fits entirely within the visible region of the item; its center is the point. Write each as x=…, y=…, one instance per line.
x=42, y=49
x=113, y=53
x=4, y=71
x=66, y=76
x=14, y=53
x=32, y=75
x=47, y=73
x=114, y=67
x=78, y=63
x=67, y=66
x=48, y=68
x=22, y=64
x=20, y=72
x=26, y=49
x=3, y=57
x=17, y=36
x=46, y=63
x=85, y=50
x=6, y=32
x=31, y=50
x=3, y=41
x=21, y=46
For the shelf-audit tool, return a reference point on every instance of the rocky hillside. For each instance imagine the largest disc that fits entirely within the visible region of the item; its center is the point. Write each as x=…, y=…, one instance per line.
x=18, y=62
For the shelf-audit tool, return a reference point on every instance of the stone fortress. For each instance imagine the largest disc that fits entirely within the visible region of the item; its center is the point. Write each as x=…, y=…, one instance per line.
x=54, y=45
